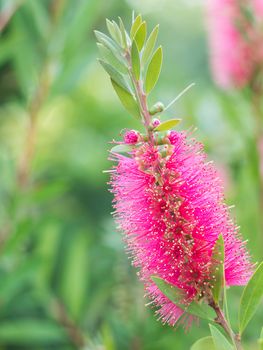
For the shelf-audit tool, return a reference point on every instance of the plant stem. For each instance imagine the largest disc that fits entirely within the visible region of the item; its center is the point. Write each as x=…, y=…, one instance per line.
x=75, y=334
x=24, y=166
x=141, y=98
x=222, y=321
x=142, y=101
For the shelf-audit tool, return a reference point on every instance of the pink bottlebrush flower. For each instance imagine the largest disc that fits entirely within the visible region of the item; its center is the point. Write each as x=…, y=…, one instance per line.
x=131, y=137
x=170, y=208
x=258, y=5
x=258, y=35
x=173, y=137
x=231, y=47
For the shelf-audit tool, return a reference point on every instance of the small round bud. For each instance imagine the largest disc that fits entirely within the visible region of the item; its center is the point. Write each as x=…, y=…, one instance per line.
x=131, y=136
x=155, y=122
x=156, y=108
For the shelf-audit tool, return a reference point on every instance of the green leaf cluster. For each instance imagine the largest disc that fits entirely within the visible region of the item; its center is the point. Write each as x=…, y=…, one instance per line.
x=130, y=60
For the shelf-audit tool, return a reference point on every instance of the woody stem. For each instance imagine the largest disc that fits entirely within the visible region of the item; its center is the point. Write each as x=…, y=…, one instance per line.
x=222, y=321
x=141, y=98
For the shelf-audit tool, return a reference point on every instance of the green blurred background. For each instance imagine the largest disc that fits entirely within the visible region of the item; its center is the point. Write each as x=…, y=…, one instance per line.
x=65, y=281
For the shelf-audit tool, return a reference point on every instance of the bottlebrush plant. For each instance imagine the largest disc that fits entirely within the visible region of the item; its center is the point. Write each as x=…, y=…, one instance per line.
x=235, y=40
x=169, y=202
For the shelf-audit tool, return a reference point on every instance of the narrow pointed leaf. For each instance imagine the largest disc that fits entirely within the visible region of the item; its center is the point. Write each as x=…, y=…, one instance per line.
x=110, y=58
x=118, y=33
x=31, y=333
x=73, y=284
x=123, y=33
x=204, y=344
x=201, y=310
x=137, y=22
x=108, y=42
x=176, y=295
x=149, y=47
x=140, y=35
x=251, y=298
x=170, y=291
x=122, y=149
x=167, y=125
x=217, y=273
x=114, y=74
x=135, y=60
x=220, y=341
x=127, y=100
x=111, y=28
x=154, y=70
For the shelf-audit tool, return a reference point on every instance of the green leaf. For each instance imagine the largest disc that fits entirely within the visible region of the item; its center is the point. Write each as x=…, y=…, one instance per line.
x=204, y=344
x=201, y=310
x=149, y=47
x=15, y=280
x=122, y=149
x=220, y=341
x=123, y=33
x=217, y=273
x=74, y=281
x=251, y=298
x=114, y=31
x=140, y=35
x=31, y=332
x=108, y=337
x=176, y=295
x=112, y=59
x=260, y=340
x=127, y=100
x=46, y=248
x=154, y=70
x=70, y=31
x=170, y=291
x=108, y=42
x=118, y=33
x=167, y=125
x=114, y=74
x=40, y=17
x=137, y=22
x=136, y=65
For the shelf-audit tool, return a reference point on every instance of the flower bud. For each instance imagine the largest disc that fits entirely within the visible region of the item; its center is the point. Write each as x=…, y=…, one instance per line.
x=131, y=136
x=156, y=108
x=155, y=122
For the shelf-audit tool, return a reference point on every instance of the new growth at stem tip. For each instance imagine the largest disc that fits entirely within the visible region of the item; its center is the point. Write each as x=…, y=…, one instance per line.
x=134, y=66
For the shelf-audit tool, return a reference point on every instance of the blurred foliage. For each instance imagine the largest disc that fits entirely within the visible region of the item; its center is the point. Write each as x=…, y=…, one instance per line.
x=65, y=282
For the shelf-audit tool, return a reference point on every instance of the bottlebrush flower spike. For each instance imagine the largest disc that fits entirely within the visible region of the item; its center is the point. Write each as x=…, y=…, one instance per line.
x=171, y=218
x=235, y=39
x=231, y=48
x=169, y=201
x=258, y=4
